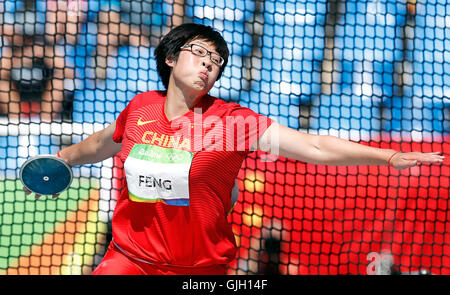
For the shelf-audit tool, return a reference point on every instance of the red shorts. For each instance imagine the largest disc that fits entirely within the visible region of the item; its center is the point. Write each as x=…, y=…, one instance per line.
x=117, y=263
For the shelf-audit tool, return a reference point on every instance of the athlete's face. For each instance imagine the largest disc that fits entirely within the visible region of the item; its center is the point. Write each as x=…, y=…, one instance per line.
x=194, y=72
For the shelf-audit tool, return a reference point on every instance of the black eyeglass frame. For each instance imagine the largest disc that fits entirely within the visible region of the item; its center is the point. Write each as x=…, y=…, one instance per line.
x=211, y=53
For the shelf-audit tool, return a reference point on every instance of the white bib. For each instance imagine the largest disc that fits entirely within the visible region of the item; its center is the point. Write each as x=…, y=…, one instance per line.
x=156, y=174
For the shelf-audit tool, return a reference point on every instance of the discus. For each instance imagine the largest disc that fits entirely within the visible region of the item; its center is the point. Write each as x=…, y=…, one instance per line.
x=46, y=175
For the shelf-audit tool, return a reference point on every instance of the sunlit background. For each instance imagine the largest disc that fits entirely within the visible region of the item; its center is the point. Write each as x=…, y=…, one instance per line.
x=375, y=72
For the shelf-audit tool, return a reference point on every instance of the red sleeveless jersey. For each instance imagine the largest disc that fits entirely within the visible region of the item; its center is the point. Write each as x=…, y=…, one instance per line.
x=175, y=198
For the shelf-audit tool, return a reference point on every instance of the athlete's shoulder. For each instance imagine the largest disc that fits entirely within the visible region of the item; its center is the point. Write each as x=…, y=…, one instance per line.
x=232, y=109
x=220, y=106
x=148, y=98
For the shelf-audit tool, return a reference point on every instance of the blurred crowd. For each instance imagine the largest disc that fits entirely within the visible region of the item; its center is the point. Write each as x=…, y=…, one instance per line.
x=39, y=40
x=288, y=61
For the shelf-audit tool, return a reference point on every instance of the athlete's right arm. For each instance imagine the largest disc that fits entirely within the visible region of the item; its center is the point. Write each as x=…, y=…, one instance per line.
x=96, y=148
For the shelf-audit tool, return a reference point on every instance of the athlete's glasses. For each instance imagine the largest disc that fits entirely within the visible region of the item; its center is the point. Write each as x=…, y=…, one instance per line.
x=202, y=51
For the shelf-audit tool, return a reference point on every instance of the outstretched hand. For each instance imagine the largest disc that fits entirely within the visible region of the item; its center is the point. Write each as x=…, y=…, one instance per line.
x=28, y=192
x=407, y=160
x=37, y=196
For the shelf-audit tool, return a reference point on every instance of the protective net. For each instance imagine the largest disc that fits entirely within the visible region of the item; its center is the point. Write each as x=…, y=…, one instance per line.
x=375, y=72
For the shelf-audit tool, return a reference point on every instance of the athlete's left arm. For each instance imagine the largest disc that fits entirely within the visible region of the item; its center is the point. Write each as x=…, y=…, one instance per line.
x=97, y=147
x=331, y=150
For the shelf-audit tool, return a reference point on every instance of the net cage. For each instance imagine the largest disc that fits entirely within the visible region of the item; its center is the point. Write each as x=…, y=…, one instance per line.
x=374, y=72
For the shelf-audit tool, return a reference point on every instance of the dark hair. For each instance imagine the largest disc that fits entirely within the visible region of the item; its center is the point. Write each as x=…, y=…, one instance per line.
x=179, y=36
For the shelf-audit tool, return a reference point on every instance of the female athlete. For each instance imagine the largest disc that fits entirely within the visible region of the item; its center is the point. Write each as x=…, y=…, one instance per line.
x=182, y=150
